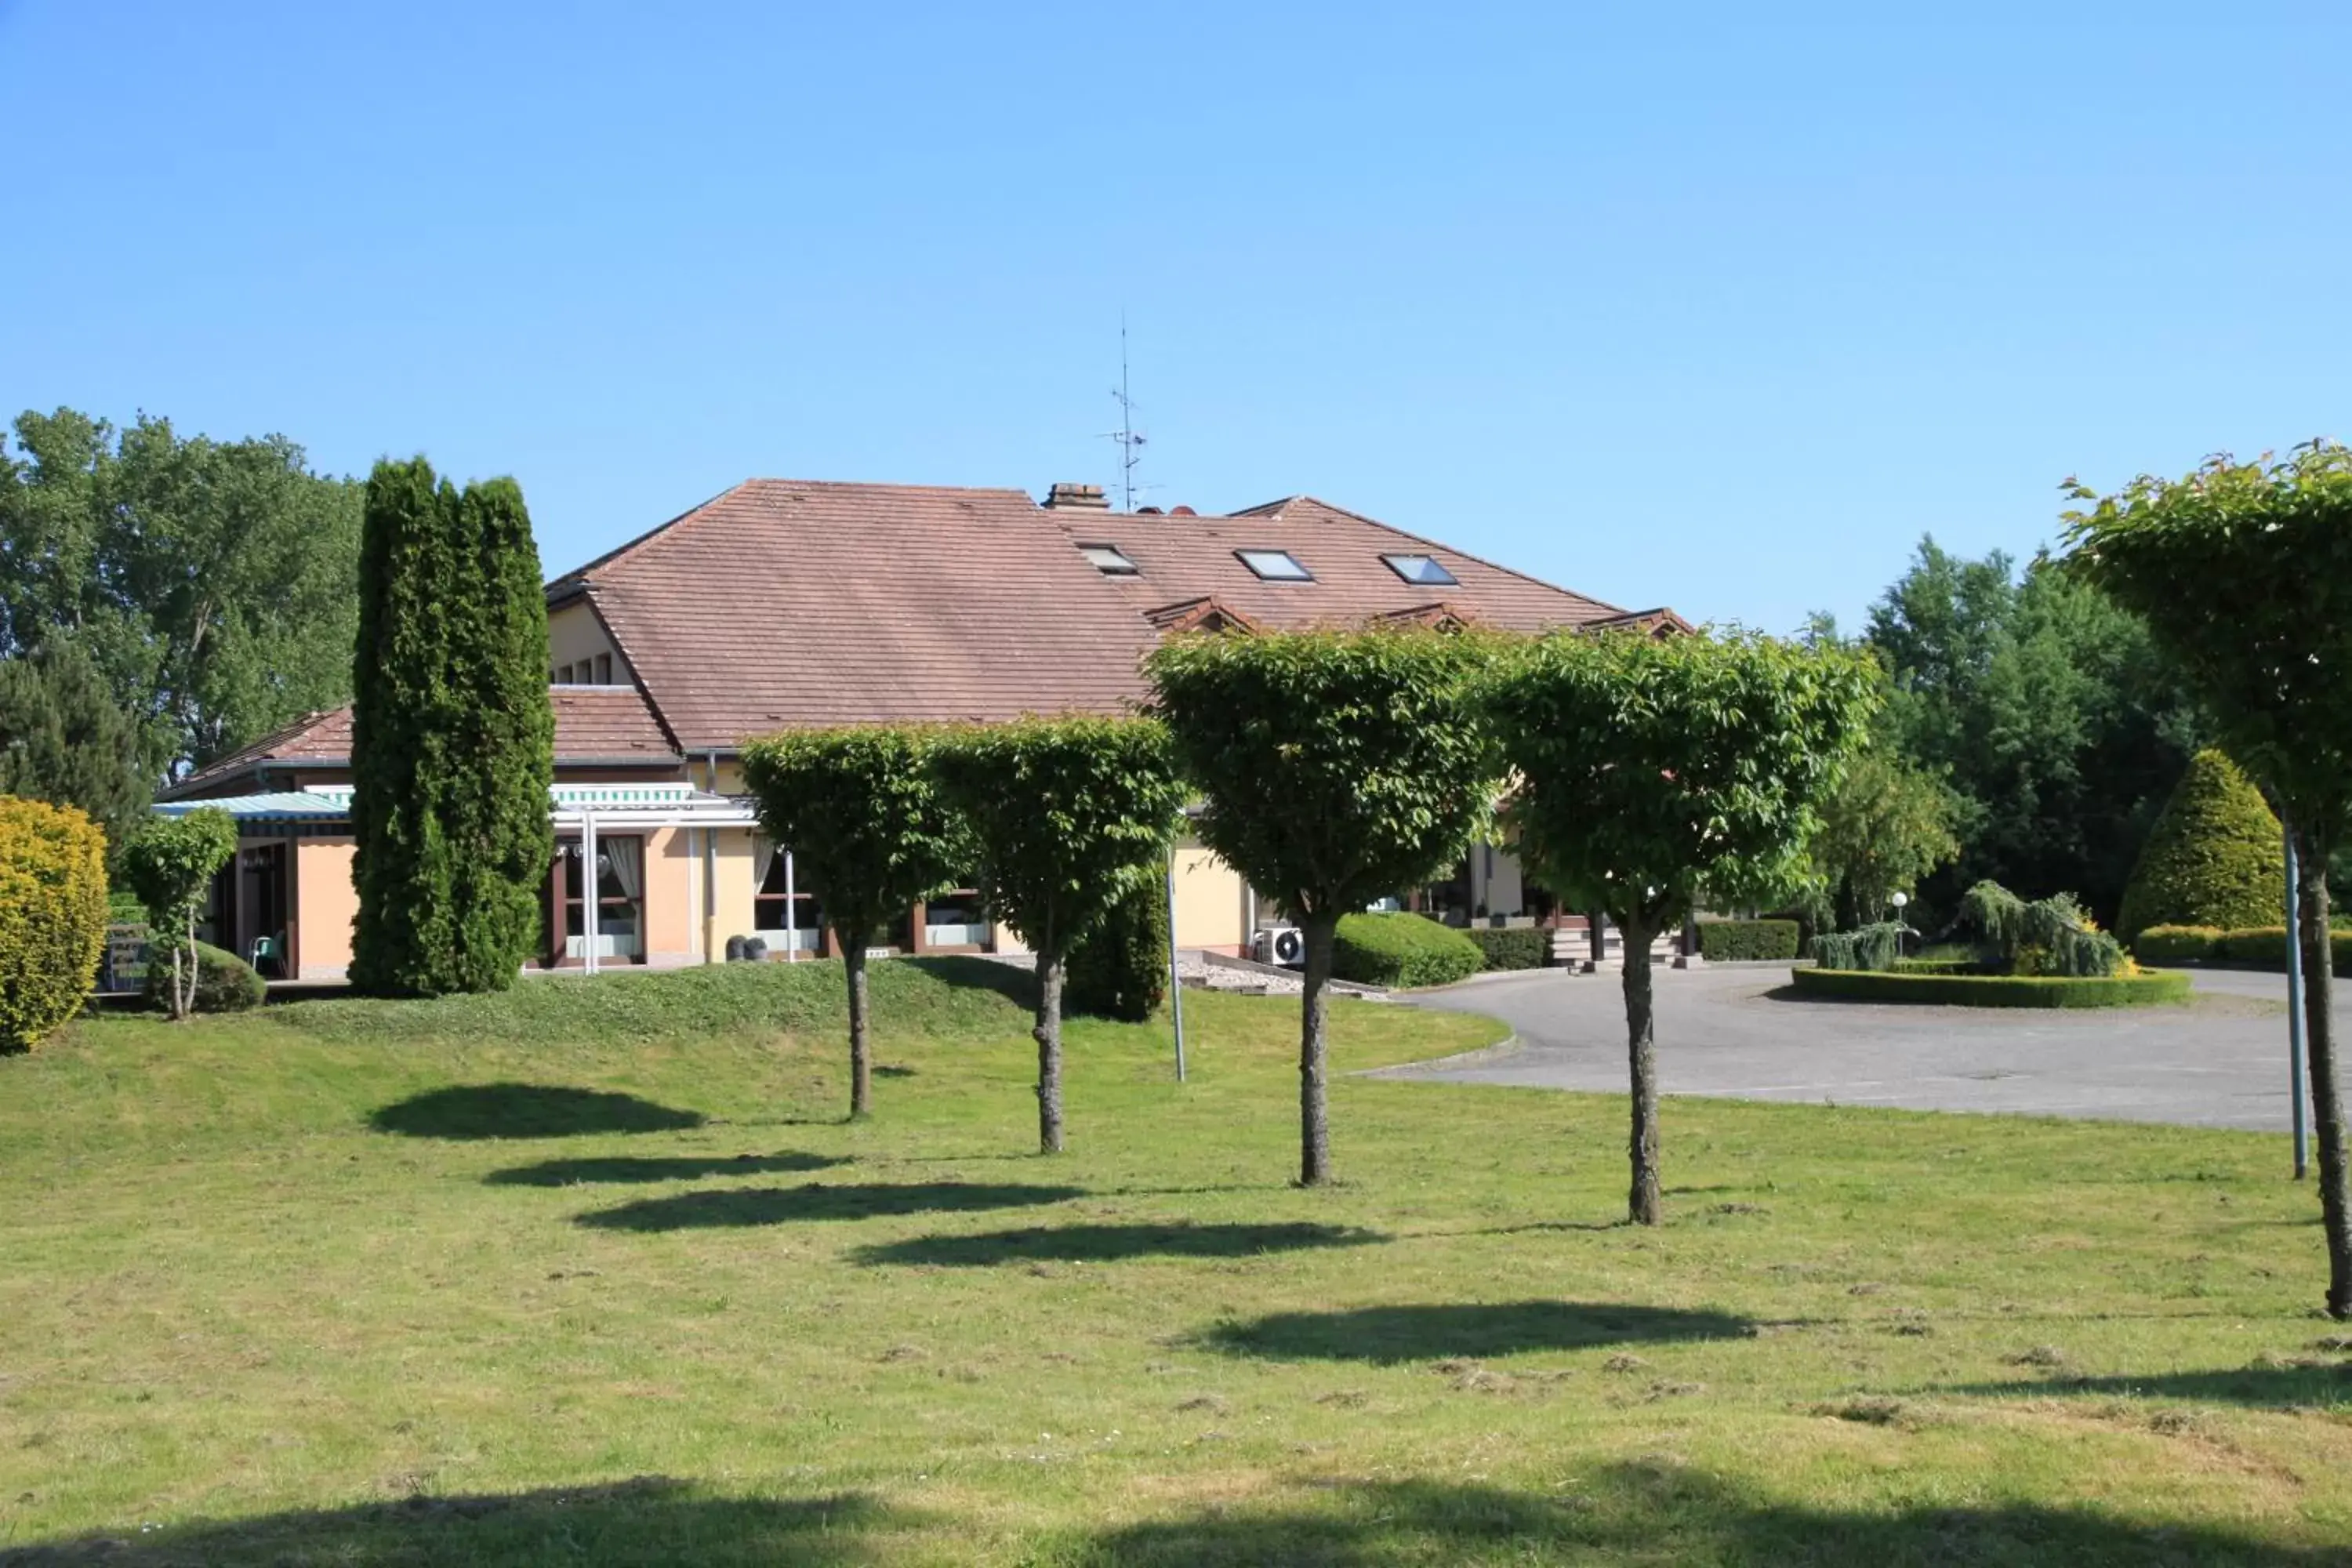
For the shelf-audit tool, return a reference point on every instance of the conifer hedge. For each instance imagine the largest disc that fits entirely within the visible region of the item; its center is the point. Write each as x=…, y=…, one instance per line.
x=453, y=741
x=2215, y=858
x=52, y=916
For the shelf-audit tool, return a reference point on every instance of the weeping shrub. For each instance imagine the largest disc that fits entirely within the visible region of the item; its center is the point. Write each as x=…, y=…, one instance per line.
x=1874, y=947
x=2050, y=936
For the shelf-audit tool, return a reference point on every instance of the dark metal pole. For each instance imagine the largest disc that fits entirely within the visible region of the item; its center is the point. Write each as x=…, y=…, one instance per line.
x=1175, y=975
x=2294, y=1008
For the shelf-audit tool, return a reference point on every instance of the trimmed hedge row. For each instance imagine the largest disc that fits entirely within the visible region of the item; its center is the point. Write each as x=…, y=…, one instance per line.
x=1402, y=950
x=224, y=982
x=2151, y=988
x=2259, y=947
x=1738, y=941
x=1512, y=947
x=52, y=916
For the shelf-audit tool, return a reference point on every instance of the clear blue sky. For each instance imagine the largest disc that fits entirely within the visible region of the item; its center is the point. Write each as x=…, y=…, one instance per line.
x=1680, y=309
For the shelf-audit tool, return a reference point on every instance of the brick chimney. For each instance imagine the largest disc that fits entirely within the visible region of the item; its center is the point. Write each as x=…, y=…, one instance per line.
x=1068, y=497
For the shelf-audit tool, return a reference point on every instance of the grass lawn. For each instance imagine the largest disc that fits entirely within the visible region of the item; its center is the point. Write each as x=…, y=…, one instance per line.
x=595, y=1274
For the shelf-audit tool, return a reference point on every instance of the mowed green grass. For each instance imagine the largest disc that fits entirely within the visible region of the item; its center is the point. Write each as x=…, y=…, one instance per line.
x=273, y=1293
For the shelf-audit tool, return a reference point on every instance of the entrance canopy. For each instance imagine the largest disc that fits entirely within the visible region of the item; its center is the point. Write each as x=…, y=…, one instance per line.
x=327, y=808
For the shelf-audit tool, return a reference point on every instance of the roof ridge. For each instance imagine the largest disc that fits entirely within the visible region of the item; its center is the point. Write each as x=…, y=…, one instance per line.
x=578, y=574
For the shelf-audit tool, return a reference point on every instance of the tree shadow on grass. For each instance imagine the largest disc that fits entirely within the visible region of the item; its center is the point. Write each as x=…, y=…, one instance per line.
x=725, y=1207
x=623, y=1168
x=2316, y=1382
x=1464, y=1329
x=1014, y=983
x=1667, y=1513
x=1112, y=1243
x=526, y=1110
x=645, y=1522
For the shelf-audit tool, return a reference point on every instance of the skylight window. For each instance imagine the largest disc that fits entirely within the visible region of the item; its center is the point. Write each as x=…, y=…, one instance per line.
x=1275, y=566
x=1424, y=569
x=1109, y=560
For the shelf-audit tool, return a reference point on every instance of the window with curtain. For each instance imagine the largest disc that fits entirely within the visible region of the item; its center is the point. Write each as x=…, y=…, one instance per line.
x=620, y=881
x=772, y=913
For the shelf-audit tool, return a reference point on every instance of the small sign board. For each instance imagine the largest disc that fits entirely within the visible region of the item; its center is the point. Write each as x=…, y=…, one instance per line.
x=122, y=966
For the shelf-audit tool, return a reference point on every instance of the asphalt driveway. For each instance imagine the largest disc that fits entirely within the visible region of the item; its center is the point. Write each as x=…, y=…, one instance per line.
x=2218, y=1061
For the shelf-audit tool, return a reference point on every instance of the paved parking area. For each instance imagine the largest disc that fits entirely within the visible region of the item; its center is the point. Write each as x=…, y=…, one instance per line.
x=2220, y=1062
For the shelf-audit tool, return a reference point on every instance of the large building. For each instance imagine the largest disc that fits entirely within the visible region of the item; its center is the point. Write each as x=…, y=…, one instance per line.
x=783, y=603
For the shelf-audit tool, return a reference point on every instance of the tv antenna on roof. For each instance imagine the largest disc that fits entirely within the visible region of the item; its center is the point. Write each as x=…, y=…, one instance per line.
x=1130, y=440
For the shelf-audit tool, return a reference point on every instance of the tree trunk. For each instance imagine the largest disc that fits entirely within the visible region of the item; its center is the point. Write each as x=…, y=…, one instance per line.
x=2327, y=1100
x=1314, y=1024
x=1596, y=935
x=1641, y=1049
x=1051, y=967
x=861, y=1061
x=184, y=1002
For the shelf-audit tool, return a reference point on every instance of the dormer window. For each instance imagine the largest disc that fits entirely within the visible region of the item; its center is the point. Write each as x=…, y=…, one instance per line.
x=1109, y=560
x=1427, y=570
x=1275, y=565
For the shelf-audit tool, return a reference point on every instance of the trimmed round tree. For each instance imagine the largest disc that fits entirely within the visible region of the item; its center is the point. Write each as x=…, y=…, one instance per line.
x=860, y=811
x=452, y=736
x=1646, y=769
x=171, y=862
x=1069, y=817
x=1337, y=768
x=2215, y=858
x=2243, y=574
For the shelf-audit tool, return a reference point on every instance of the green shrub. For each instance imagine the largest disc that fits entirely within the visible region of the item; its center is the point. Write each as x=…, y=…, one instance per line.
x=1872, y=948
x=2051, y=936
x=1402, y=949
x=224, y=982
x=2215, y=858
x=2149, y=988
x=1512, y=947
x=2264, y=947
x=1734, y=941
x=1121, y=969
x=2175, y=944
x=1947, y=965
x=52, y=916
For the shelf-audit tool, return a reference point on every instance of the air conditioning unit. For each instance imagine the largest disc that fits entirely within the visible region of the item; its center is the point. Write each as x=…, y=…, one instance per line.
x=1286, y=946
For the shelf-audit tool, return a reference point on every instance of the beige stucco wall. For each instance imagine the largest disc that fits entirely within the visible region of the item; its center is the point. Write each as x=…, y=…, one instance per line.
x=672, y=905
x=574, y=632
x=325, y=902
x=733, y=865
x=1211, y=910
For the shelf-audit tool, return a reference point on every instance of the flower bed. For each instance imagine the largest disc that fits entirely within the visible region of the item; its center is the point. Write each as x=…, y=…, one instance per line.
x=2148, y=988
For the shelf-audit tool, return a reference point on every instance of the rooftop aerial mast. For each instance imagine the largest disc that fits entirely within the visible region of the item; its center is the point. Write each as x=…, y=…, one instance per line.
x=1130, y=440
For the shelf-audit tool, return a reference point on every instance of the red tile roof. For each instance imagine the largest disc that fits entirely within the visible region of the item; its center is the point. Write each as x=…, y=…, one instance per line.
x=784, y=603
x=612, y=725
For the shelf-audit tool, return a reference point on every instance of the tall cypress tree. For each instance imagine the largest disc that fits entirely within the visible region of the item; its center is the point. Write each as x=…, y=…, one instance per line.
x=452, y=739
x=502, y=759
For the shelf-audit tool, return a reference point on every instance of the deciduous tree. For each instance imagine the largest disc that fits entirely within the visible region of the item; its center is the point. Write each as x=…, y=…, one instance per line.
x=171, y=862
x=860, y=811
x=1646, y=769
x=2243, y=574
x=1067, y=817
x=1336, y=768
x=2044, y=708
x=212, y=583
